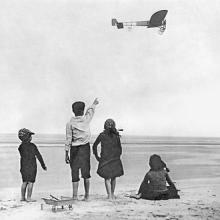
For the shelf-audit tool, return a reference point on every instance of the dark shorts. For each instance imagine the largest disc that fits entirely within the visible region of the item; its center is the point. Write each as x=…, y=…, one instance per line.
x=28, y=175
x=80, y=160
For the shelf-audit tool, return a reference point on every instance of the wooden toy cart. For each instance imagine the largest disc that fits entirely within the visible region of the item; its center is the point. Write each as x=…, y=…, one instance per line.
x=56, y=203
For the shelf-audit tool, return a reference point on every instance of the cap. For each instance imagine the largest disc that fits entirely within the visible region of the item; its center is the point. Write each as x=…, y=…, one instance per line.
x=24, y=133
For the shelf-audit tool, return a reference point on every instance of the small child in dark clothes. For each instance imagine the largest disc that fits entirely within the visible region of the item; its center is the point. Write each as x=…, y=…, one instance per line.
x=28, y=152
x=110, y=165
x=154, y=185
x=162, y=164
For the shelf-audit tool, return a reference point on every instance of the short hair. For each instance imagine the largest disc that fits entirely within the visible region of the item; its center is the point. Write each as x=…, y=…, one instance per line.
x=78, y=108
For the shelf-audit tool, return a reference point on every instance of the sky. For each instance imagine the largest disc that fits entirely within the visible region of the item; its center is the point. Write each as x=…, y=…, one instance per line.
x=56, y=52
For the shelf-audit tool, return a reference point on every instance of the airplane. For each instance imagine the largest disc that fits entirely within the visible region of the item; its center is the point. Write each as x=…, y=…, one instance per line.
x=156, y=20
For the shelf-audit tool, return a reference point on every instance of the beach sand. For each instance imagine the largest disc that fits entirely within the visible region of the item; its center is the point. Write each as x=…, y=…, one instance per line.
x=200, y=199
x=194, y=168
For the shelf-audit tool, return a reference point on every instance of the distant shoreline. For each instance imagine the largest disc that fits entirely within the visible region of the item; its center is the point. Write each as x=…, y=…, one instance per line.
x=147, y=143
x=57, y=140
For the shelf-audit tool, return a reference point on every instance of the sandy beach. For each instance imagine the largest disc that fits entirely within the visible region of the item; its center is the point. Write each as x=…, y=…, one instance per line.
x=151, y=66
x=194, y=168
x=200, y=199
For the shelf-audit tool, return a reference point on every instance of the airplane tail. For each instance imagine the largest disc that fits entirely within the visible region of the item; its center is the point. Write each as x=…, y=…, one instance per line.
x=120, y=25
x=114, y=22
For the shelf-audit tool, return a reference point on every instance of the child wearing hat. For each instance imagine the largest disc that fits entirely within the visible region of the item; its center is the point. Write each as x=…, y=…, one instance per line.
x=77, y=145
x=28, y=165
x=154, y=186
x=110, y=165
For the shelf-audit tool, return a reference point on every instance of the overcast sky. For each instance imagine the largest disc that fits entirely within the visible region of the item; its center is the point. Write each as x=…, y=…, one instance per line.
x=55, y=52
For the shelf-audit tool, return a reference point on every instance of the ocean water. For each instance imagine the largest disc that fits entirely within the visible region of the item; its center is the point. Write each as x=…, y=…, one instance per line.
x=187, y=158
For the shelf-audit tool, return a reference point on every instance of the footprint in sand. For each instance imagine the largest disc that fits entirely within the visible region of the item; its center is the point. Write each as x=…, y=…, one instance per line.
x=174, y=217
x=160, y=215
x=2, y=208
x=205, y=208
x=186, y=203
x=195, y=215
x=15, y=206
x=192, y=209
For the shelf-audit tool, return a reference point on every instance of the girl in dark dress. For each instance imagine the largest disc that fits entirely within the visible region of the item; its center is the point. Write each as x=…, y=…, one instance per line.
x=110, y=165
x=154, y=187
x=28, y=152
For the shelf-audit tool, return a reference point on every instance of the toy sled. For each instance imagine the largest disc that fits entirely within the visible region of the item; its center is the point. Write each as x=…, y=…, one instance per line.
x=58, y=203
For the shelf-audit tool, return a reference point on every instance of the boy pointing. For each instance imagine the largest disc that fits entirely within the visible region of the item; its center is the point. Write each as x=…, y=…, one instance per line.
x=77, y=145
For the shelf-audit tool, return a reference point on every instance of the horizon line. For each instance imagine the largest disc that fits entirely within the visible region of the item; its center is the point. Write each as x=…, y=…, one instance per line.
x=133, y=135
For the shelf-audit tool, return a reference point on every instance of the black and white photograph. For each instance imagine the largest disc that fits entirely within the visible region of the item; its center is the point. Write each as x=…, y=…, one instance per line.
x=109, y=110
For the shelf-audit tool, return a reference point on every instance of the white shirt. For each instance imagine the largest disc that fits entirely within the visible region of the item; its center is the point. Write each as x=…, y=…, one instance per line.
x=78, y=129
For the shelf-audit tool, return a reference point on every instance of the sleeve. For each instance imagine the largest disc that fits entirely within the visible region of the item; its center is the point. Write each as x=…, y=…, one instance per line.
x=146, y=178
x=68, y=137
x=143, y=184
x=94, y=147
x=20, y=150
x=39, y=157
x=90, y=113
x=119, y=145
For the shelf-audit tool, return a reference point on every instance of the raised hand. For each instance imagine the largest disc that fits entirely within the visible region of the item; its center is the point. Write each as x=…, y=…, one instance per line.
x=96, y=101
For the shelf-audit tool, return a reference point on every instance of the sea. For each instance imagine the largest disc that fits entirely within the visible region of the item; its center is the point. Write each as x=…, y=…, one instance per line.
x=186, y=157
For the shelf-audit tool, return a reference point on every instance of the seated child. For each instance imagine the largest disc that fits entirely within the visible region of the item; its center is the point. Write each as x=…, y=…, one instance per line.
x=154, y=185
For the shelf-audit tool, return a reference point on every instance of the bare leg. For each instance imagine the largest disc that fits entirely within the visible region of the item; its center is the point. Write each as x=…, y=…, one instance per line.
x=23, y=191
x=108, y=188
x=29, y=192
x=113, y=183
x=86, y=187
x=75, y=190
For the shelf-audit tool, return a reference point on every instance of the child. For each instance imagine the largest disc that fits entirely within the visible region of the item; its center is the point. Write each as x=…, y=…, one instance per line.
x=162, y=163
x=154, y=185
x=110, y=165
x=77, y=142
x=28, y=152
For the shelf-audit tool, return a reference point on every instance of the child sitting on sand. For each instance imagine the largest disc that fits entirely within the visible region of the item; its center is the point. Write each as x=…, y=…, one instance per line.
x=154, y=185
x=28, y=152
x=110, y=165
